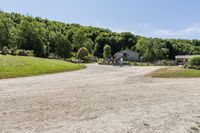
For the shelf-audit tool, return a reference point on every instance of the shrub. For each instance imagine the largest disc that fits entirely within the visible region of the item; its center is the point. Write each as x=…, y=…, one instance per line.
x=87, y=59
x=82, y=53
x=13, y=51
x=24, y=52
x=5, y=50
x=106, y=51
x=194, y=63
x=52, y=56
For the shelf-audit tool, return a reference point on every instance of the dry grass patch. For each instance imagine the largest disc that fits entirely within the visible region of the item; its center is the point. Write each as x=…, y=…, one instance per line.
x=175, y=72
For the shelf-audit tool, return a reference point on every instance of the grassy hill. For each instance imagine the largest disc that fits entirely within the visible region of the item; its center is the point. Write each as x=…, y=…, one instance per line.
x=18, y=66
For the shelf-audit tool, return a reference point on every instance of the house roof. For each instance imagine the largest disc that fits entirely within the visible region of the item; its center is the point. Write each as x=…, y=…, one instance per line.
x=186, y=56
x=127, y=51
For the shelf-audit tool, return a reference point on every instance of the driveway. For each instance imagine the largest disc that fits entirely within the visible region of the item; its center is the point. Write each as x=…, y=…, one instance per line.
x=100, y=99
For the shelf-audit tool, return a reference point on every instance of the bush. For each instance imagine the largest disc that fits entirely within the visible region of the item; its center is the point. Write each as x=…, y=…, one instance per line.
x=14, y=51
x=5, y=50
x=82, y=53
x=52, y=56
x=194, y=63
x=106, y=51
x=87, y=59
x=24, y=52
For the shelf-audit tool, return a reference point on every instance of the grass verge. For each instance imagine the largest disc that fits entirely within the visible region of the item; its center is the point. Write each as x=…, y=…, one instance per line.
x=175, y=72
x=141, y=64
x=18, y=66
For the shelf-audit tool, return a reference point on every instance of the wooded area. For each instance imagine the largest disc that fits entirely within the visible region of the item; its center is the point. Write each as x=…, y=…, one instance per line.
x=47, y=37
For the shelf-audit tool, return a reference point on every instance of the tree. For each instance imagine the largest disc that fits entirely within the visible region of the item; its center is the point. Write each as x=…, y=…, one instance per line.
x=195, y=50
x=70, y=34
x=82, y=53
x=31, y=37
x=106, y=51
x=152, y=49
x=43, y=37
x=101, y=40
x=172, y=52
x=63, y=46
x=52, y=41
x=5, y=32
x=159, y=49
x=128, y=40
x=78, y=40
x=89, y=44
x=96, y=50
x=14, y=34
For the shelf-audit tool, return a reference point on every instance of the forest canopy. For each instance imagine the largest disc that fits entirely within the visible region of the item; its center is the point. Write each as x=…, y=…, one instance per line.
x=45, y=37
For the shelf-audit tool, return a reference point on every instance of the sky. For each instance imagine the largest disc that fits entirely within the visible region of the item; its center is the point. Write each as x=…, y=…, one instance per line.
x=150, y=18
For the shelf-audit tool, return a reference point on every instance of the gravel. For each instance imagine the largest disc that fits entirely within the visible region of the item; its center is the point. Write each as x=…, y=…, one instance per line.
x=99, y=99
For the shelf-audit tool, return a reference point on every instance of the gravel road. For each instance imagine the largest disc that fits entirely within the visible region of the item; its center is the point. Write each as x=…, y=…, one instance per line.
x=100, y=99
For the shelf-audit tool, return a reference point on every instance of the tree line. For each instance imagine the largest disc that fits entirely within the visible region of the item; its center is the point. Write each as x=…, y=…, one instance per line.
x=45, y=37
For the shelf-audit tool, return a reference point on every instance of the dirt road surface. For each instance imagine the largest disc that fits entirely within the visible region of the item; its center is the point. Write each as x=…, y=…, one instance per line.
x=100, y=99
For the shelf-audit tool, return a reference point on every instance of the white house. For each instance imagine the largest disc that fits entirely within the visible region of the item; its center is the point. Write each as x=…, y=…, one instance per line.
x=128, y=55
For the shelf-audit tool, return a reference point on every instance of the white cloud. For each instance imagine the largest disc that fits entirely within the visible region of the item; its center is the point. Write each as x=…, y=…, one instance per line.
x=195, y=29
x=190, y=32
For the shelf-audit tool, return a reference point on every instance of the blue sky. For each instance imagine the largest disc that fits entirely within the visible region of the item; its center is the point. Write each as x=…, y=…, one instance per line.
x=151, y=18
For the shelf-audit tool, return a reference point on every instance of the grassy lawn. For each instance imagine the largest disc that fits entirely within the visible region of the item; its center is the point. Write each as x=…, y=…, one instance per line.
x=175, y=72
x=18, y=66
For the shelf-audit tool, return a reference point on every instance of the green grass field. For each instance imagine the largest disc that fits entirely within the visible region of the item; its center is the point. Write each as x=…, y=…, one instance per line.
x=18, y=66
x=175, y=72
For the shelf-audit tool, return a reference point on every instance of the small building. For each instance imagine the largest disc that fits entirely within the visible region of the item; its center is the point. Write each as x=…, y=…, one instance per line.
x=183, y=59
x=128, y=55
